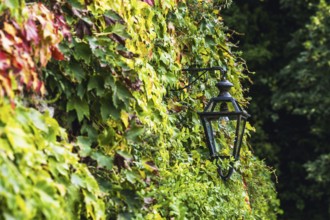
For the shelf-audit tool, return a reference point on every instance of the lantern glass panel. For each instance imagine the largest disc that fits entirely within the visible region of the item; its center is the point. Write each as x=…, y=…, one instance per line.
x=224, y=107
x=221, y=133
x=240, y=133
x=224, y=130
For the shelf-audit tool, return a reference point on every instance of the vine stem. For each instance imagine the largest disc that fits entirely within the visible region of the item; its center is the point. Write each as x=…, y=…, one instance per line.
x=247, y=198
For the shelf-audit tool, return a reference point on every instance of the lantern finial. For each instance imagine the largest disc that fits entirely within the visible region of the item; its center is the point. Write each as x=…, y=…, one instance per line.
x=224, y=86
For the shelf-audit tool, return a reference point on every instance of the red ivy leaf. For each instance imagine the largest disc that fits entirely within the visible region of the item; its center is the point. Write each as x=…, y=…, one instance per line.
x=4, y=61
x=12, y=104
x=31, y=31
x=63, y=26
x=150, y=2
x=56, y=53
x=39, y=87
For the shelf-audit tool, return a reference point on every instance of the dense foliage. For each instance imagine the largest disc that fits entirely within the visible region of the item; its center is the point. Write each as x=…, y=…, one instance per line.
x=27, y=46
x=40, y=176
x=115, y=88
x=286, y=43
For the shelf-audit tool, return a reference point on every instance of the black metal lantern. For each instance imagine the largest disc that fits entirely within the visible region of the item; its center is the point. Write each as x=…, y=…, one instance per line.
x=224, y=123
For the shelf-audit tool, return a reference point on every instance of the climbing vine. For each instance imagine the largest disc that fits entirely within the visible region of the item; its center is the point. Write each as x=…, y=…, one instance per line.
x=115, y=87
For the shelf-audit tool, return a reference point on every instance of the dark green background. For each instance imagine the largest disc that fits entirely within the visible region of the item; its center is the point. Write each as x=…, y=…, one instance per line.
x=286, y=43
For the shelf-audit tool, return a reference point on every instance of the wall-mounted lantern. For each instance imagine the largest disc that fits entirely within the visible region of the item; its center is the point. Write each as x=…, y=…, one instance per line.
x=224, y=122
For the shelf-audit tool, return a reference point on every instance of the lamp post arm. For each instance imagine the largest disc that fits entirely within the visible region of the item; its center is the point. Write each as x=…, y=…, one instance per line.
x=222, y=69
x=188, y=85
x=204, y=70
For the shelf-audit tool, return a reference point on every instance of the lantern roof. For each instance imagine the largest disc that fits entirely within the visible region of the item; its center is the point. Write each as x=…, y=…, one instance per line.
x=224, y=97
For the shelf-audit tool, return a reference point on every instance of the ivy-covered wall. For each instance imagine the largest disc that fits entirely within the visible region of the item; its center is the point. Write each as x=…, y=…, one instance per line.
x=114, y=85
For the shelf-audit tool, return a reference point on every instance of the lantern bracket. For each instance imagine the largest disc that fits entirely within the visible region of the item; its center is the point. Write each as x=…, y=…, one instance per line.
x=222, y=69
x=204, y=70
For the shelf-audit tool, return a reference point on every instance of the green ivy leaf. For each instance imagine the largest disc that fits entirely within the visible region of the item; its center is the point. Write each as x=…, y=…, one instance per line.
x=81, y=90
x=81, y=107
x=97, y=84
x=82, y=52
x=103, y=160
x=133, y=133
x=12, y=4
x=120, y=93
x=118, y=29
x=107, y=137
x=112, y=15
x=76, y=71
x=107, y=109
x=85, y=144
x=131, y=177
x=38, y=121
x=77, y=181
x=125, y=155
x=76, y=4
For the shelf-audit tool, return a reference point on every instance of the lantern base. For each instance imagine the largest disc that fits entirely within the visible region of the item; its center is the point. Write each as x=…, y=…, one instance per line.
x=220, y=172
